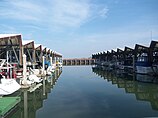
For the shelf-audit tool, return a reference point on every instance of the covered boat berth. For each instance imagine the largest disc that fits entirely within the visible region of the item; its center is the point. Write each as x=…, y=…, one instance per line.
x=29, y=51
x=128, y=57
x=45, y=52
x=96, y=57
x=154, y=55
x=57, y=57
x=103, y=57
x=154, y=51
x=120, y=59
x=120, y=54
x=113, y=56
x=141, y=50
x=38, y=54
x=143, y=61
x=48, y=51
x=11, y=48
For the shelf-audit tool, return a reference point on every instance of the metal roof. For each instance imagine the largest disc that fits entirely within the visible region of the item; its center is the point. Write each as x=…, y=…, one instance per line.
x=154, y=45
x=10, y=40
x=37, y=45
x=25, y=42
x=8, y=35
x=28, y=44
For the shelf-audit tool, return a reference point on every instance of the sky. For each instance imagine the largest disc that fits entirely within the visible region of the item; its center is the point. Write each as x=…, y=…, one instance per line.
x=79, y=28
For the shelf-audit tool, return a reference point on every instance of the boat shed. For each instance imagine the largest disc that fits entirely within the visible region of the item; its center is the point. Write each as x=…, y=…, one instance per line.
x=57, y=57
x=38, y=53
x=29, y=51
x=120, y=55
x=141, y=51
x=113, y=55
x=11, y=48
x=48, y=51
x=44, y=51
x=108, y=56
x=103, y=56
x=128, y=56
x=45, y=54
x=154, y=51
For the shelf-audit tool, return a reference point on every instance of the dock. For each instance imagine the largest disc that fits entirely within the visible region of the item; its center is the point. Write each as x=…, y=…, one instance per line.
x=19, y=59
x=78, y=61
x=140, y=59
x=8, y=104
x=38, y=57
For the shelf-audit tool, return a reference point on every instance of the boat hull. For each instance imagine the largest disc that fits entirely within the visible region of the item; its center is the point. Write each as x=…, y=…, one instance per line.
x=144, y=68
x=8, y=86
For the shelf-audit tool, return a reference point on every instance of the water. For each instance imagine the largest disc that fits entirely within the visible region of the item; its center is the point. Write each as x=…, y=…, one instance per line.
x=83, y=92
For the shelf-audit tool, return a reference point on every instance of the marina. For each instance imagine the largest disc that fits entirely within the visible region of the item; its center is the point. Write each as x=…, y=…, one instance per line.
x=23, y=65
x=78, y=59
x=88, y=92
x=29, y=73
x=141, y=59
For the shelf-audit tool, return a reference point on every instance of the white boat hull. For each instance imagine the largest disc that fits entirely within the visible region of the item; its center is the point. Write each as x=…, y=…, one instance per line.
x=34, y=78
x=8, y=86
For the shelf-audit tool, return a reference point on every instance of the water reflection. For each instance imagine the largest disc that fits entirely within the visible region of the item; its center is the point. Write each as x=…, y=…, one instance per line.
x=143, y=91
x=32, y=100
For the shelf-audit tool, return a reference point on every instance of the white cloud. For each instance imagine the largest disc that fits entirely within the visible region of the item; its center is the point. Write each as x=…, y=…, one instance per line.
x=22, y=10
x=55, y=13
x=70, y=13
x=103, y=12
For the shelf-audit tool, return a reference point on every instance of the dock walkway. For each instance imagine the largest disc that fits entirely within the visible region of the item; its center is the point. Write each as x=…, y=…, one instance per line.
x=7, y=104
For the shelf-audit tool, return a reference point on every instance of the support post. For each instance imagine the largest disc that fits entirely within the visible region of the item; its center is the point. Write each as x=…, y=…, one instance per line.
x=44, y=87
x=134, y=64
x=43, y=65
x=7, y=66
x=51, y=61
x=25, y=104
x=24, y=69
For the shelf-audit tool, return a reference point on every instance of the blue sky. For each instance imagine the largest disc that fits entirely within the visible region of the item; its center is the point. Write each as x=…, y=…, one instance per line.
x=78, y=28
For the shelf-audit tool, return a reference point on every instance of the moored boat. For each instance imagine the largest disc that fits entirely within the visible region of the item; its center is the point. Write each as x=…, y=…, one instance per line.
x=8, y=86
x=143, y=66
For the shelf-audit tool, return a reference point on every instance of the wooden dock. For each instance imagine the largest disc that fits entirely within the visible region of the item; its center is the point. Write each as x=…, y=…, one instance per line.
x=7, y=104
x=78, y=61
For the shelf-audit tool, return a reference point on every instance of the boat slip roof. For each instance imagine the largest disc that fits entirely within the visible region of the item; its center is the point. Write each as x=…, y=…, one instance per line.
x=8, y=35
x=37, y=45
x=25, y=42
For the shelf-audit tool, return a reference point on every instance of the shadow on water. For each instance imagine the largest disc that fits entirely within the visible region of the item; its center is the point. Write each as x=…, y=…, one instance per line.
x=32, y=100
x=144, y=87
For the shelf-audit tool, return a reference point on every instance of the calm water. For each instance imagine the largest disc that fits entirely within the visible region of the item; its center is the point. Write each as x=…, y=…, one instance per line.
x=83, y=92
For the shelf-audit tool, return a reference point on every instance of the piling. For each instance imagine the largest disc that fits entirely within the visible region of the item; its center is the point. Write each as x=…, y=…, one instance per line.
x=51, y=61
x=25, y=104
x=24, y=70
x=134, y=64
x=43, y=65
